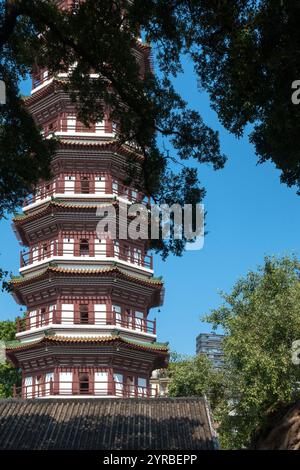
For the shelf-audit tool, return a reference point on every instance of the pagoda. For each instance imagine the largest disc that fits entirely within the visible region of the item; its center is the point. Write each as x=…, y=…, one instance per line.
x=86, y=330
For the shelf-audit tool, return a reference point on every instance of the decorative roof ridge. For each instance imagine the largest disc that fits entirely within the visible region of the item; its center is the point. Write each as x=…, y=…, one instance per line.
x=18, y=219
x=17, y=345
x=93, y=271
x=102, y=143
x=38, y=94
x=155, y=344
x=102, y=270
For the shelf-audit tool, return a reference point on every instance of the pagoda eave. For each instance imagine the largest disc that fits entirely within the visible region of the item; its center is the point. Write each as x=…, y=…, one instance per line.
x=48, y=283
x=112, y=350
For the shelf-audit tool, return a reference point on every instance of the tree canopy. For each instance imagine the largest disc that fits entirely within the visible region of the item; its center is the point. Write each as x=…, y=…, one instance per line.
x=100, y=36
x=9, y=375
x=244, y=54
x=195, y=376
x=261, y=320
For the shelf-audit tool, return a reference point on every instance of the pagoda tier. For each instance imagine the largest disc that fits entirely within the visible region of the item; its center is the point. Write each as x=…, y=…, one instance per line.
x=87, y=171
x=87, y=329
x=88, y=366
x=65, y=301
x=65, y=234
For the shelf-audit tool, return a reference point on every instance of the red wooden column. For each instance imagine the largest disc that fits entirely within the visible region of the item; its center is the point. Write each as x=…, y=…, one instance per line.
x=60, y=244
x=76, y=248
x=91, y=311
x=136, y=389
x=111, y=389
x=75, y=383
x=108, y=184
x=92, y=183
x=55, y=387
x=77, y=312
x=58, y=313
x=91, y=374
x=109, y=312
x=77, y=184
x=91, y=239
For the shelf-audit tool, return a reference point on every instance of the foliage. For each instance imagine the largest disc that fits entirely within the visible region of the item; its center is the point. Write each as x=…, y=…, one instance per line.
x=144, y=106
x=245, y=53
x=261, y=320
x=195, y=376
x=9, y=375
x=3, y=278
x=8, y=330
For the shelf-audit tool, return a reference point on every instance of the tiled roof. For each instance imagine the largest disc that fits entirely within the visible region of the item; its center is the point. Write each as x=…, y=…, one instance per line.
x=21, y=218
x=143, y=46
x=106, y=424
x=17, y=281
x=113, y=144
x=42, y=92
x=86, y=143
x=15, y=345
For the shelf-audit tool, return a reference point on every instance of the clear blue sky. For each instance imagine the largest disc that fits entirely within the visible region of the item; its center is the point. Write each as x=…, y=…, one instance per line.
x=250, y=214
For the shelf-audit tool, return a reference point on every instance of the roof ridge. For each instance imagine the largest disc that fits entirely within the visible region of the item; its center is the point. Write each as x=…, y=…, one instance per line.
x=58, y=203
x=57, y=269
x=17, y=345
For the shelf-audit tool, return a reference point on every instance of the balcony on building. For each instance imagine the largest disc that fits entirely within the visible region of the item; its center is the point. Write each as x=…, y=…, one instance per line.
x=83, y=383
x=86, y=250
x=70, y=126
x=86, y=317
x=86, y=186
x=41, y=77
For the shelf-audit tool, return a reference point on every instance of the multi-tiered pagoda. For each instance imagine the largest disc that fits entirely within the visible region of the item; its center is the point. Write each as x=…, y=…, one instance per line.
x=86, y=331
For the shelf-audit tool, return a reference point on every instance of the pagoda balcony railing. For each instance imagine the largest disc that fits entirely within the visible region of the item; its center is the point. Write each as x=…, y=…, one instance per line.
x=84, y=388
x=70, y=318
x=43, y=75
x=44, y=192
x=40, y=80
x=79, y=128
x=70, y=250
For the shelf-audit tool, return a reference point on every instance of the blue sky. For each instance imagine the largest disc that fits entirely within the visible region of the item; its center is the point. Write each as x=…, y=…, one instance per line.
x=249, y=215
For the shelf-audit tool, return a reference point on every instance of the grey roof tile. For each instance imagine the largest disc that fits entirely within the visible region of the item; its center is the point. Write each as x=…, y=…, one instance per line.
x=106, y=424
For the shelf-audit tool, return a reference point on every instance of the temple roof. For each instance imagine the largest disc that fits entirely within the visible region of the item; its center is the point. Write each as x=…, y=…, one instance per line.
x=21, y=218
x=54, y=339
x=19, y=280
x=43, y=91
x=108, y=144
x=106, y=424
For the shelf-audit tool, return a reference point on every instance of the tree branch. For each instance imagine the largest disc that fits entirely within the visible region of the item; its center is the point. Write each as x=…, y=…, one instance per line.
x=12, y=11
